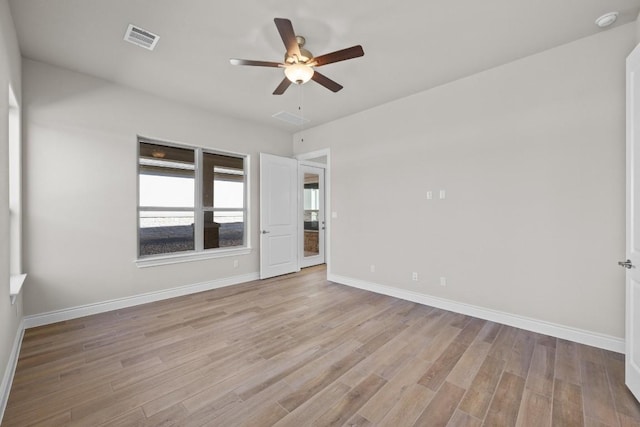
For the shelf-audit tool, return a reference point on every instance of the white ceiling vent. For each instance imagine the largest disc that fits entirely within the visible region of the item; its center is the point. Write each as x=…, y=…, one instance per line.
x=140, y=37
x=290, y=118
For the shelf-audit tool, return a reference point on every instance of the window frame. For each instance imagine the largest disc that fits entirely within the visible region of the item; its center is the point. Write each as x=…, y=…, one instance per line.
x=198, y=253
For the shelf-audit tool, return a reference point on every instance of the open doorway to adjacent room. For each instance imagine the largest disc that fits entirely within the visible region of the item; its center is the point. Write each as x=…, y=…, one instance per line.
x=313, y=208
x=312, y=200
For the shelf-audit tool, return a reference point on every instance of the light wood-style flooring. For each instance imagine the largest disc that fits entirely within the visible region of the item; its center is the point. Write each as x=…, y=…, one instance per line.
x=298, y=350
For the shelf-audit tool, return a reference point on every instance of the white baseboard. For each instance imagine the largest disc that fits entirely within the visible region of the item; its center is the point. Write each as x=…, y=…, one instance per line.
x=10, y=370
x=116, y=304
x=581, y=336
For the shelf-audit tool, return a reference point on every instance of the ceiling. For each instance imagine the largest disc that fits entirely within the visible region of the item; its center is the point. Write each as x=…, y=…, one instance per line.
x=410, y=46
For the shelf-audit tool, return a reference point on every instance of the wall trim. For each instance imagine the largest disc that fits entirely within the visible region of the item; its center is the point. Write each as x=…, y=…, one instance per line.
x=10, y=370
x=581, y=336
x=35, y=320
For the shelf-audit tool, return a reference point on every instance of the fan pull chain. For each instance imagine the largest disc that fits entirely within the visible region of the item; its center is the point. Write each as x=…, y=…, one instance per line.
x=301, y=112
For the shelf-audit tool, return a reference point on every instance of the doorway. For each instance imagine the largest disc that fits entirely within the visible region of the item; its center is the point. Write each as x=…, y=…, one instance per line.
x=282, y=212
x=312, y=198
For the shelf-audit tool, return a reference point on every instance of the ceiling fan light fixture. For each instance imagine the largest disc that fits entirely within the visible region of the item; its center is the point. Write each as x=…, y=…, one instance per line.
x=299, y=63
x=298, y=73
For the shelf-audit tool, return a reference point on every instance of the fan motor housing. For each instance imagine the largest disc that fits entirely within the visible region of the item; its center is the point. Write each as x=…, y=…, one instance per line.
x=305, y=55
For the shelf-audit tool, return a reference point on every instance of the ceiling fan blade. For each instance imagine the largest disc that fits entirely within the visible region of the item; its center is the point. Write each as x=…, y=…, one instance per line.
x=326, y=81
x=284, y=84
x=337, y=56
x=235, y=61
x=285, y=28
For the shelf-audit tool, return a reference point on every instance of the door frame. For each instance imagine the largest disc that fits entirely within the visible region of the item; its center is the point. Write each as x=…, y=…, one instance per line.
x=306, y=159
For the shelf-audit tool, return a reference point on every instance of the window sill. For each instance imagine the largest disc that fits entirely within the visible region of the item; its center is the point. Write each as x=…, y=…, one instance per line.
x=15, y=286
x=178, y=258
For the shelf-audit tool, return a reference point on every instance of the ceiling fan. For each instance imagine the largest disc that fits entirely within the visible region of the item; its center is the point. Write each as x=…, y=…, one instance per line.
x=299, y=62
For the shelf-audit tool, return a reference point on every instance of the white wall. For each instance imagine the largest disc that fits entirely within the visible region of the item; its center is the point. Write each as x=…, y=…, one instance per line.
x=531, y=155
x=80, y=188
x=10, y=315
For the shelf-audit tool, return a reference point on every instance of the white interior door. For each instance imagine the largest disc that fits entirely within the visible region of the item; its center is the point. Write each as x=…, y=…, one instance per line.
x=278, y=215
x=311, y=183
x=632, y=330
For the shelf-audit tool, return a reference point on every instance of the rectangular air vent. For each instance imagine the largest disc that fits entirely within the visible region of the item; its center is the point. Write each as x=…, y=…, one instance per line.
x=290, y=118
x=140, y=37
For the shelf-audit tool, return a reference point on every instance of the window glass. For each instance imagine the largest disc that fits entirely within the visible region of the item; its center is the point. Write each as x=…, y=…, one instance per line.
x=167, y=191
x=164, y=232
x=231, y=228
x=219, y=174
x=228, y=194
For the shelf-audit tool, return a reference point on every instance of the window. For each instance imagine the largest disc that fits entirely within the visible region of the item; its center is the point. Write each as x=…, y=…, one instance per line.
x=191, y=200
x=311, y=194
x=15, y=190
x=15, y=198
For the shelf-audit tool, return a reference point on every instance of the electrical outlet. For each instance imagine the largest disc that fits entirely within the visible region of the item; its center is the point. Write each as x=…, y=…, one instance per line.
x=414, y=276
x=372, y=268
x=443, y=194
x=235, y=263
x=429, y=195
x=443, y=281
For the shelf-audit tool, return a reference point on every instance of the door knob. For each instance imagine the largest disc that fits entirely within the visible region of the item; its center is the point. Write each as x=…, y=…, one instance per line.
x=265, y=232
x=626, y=264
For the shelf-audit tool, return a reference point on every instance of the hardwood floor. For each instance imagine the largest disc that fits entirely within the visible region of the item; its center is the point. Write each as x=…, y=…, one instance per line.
x=298, y=350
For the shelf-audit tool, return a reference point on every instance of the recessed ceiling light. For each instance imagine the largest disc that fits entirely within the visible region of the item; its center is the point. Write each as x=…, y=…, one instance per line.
x=607, y=19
